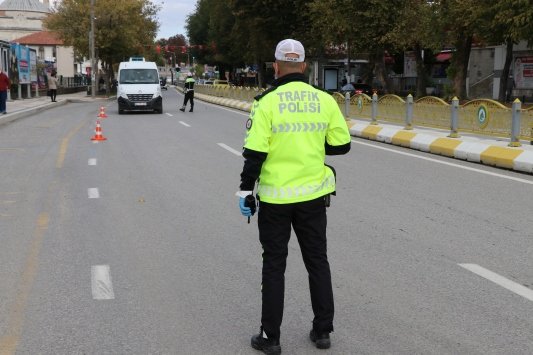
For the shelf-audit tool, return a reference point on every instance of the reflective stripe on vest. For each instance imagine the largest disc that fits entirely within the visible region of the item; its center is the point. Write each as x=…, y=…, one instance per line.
x=290, y=192
x=300, y=127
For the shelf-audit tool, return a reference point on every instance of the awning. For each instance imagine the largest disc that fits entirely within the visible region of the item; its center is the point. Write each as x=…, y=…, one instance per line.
x=443, y=57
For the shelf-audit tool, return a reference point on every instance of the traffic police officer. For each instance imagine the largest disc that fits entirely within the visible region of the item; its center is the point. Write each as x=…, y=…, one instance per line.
x=189, y=92
x=292, y=126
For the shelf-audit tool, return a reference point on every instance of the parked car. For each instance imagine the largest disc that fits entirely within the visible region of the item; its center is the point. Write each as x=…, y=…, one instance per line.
x=220, y=82
x=359, y=88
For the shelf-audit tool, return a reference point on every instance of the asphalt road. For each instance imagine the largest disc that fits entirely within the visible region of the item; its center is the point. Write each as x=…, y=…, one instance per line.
x=135, y=245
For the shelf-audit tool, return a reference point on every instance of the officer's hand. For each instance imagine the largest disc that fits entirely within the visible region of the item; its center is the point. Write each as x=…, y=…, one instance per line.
x=245, y=211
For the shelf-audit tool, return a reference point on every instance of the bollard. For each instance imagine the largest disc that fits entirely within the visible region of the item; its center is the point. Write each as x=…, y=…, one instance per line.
x=347, y=106
x=409, y=112
x=374, y=109
x=515, y=124
x=454, y=118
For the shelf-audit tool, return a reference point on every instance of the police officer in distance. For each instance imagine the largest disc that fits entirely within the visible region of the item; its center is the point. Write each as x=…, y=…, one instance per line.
x=189, y=92
x=292, y=126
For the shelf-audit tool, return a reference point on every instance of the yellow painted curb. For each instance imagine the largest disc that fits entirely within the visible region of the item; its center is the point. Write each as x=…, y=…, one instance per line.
x=500, y=156
x=403, y=138
x=444, y=146
x=371, y=132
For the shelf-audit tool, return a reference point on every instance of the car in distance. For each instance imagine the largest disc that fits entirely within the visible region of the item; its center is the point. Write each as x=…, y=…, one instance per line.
x=139, y=86
x=359, y=88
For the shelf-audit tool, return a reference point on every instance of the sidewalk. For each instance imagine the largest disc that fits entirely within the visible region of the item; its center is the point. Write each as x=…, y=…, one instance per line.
x=486, y=150
x=26, y=107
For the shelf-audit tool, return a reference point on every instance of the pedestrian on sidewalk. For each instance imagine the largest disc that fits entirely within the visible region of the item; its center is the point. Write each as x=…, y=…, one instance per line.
x=5, y=85
x=52, y=85
x=291, y=129
x=189, y=92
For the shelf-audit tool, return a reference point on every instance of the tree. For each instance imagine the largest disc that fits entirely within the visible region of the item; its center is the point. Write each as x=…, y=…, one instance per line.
x=210, y=27
x=512, y=21
x=123, y=28
x=415, y=30
x=464, y=20
x=362, y=25
x=245, y=32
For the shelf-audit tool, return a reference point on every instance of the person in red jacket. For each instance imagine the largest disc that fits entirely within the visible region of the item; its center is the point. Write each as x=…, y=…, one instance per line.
x=4, y=86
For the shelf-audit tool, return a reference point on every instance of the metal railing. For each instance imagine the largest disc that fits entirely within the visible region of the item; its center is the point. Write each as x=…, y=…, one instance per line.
x=481, y=116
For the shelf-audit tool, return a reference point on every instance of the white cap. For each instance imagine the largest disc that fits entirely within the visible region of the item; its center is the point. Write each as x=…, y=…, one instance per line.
x=290, y=46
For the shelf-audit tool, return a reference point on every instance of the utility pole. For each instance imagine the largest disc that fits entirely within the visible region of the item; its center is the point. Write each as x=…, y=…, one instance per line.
x=91, y=44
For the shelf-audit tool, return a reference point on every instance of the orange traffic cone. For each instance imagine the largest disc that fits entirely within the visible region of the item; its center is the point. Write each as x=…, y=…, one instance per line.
x=98, y=136
x=102, y=112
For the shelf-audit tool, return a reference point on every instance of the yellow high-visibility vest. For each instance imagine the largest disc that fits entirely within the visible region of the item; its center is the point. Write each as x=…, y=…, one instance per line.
x=291, y=124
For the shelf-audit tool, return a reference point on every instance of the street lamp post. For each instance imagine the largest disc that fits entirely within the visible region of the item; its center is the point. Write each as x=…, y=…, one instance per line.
x=91, y=44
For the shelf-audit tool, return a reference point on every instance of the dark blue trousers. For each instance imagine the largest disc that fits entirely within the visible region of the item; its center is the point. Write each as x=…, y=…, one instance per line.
x=3, y=99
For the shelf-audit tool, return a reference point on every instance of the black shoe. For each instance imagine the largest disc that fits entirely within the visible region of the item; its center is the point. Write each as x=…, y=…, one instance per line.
x=182, y=109
x=321, y=340
x=268, y=346
x=190, y=110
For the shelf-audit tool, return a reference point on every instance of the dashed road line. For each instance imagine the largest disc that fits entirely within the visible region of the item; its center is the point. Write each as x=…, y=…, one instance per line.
x=169, y=114
x=92, y=161
x=185, y=124
x=93, y=192
x=15, y=318
x=64, y=145
x=102, y=288
x=230, y=149
x=499, y=280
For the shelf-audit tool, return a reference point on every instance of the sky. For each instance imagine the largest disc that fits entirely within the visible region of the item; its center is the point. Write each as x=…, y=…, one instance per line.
x=172, y=16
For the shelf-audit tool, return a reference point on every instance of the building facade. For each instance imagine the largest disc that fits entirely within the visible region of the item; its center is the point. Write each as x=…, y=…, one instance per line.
x=19, y=18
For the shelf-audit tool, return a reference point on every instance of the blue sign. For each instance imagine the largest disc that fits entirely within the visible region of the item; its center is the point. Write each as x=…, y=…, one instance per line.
x=21, y=54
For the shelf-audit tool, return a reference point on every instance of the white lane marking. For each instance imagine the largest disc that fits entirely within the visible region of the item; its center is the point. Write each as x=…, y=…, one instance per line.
x=185, y=124
x=169, y=114
x=500, y=280
x=236, y=152
x=447, y=163
x=101, y=285
x=92, y=161
x=93, y=192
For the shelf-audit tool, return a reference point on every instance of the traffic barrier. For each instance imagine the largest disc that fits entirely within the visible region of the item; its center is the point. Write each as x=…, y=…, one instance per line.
x=98, y=136
x=102, y=114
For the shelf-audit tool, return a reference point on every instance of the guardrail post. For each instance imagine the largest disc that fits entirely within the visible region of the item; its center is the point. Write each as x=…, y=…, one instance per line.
x=454, y=118
x=409, y=112
x=515, y=125
x=347, y=105
x=374, y=109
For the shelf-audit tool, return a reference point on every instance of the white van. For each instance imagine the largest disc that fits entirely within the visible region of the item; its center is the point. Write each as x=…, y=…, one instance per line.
x=138, y=86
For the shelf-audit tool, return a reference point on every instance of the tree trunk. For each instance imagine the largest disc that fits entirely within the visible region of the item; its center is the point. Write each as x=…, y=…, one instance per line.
x=421, y=76
x=378, y=58
x=260, y=74
x=502, y=96
x=348, y=60
x=460, y=61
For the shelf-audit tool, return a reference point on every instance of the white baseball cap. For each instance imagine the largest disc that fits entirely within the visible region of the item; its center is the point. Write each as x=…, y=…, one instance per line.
x=290, y=46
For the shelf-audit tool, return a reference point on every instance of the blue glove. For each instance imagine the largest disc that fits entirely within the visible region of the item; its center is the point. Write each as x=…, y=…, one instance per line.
x=245, y=211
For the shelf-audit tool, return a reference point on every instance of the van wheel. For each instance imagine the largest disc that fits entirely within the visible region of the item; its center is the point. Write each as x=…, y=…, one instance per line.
x=120, y=111
x=160, y=110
